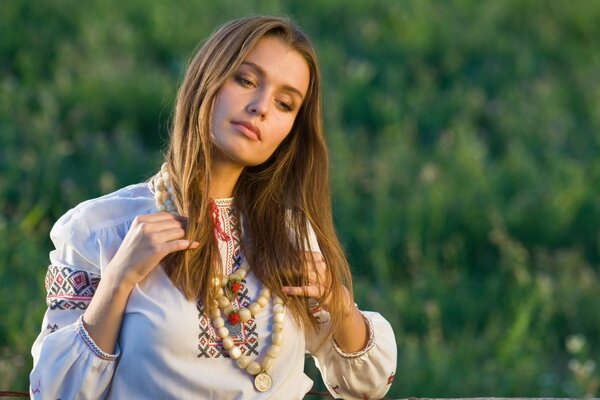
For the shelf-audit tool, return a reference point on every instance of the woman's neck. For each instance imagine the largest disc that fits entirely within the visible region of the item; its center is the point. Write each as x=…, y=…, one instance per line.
x=224, y=176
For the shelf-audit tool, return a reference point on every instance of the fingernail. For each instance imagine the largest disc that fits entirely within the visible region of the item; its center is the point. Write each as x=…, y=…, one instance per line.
x=194, y=245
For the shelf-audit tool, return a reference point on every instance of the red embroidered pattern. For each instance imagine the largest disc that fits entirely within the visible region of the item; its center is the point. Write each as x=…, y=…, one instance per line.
x=217, y=221
x=69, y=288
x=229, y=225
x=244, y=335
x=391, y=379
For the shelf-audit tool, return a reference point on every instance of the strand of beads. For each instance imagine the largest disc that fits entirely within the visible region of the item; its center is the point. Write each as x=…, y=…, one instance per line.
x=228, y=288
x=163, y=191
x=222, y=304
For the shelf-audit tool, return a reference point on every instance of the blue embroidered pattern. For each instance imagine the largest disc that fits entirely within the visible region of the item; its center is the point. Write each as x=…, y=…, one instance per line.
x=90, y=343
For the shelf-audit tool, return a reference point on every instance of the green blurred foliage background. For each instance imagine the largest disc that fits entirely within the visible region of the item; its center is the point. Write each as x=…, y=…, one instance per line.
x=464, y=139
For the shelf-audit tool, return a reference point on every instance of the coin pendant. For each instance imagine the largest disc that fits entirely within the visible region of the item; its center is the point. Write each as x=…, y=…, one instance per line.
x=263, y=382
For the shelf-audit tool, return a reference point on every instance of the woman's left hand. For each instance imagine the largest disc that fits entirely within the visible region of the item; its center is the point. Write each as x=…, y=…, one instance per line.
x=318, y=280
x=352, y=334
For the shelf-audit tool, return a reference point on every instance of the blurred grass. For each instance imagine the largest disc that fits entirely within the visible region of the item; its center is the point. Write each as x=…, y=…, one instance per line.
x=464, y=140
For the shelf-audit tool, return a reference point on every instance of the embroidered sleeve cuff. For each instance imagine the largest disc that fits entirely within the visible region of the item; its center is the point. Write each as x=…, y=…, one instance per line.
x=359, y=353
x=83, y=334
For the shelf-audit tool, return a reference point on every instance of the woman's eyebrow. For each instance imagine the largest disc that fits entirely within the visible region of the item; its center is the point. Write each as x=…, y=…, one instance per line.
x=262, y=73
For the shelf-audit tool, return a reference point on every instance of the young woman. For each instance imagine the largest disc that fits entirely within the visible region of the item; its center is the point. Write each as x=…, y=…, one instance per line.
x=213, y=279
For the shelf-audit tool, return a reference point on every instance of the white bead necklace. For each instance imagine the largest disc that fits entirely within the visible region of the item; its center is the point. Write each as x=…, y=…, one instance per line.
x=163, y=191
x=226, y=290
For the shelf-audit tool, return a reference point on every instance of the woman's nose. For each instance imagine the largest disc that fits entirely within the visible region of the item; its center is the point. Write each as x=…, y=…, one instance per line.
x=258, y=106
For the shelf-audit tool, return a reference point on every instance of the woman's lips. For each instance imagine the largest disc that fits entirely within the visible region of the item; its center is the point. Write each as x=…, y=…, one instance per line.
x=247, y=129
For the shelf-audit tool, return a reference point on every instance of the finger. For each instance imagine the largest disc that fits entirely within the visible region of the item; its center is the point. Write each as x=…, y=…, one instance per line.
x=151, y=227
x=318, y=264
x=313, y=256
x=319, y=268
x=168, y=224
x=161, y=216
x=313, y=277
x=307, y=291
x=169, y=235
x=179, y=245
x=153, y=217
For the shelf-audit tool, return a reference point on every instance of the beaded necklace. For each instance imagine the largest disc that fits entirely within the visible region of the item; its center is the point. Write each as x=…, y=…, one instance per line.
x=224, y=308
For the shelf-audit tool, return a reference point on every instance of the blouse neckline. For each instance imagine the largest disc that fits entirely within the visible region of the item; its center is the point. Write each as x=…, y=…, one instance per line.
x=224, y=202
x=220, y=202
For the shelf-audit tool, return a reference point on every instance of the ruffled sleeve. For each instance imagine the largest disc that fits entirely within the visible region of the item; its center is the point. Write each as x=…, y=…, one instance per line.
x=67, y=362
x=366, y=374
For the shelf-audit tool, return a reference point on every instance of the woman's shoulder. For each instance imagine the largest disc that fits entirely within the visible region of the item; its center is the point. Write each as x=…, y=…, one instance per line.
x=111, y=210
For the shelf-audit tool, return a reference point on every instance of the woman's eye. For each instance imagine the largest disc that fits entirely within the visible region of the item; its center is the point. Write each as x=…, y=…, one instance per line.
x=285, y=106
x=245, y=82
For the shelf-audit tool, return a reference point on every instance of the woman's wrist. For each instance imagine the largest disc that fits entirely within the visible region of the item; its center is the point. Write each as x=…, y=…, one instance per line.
x=116, y=281
x=353, y=334
x=349, y=306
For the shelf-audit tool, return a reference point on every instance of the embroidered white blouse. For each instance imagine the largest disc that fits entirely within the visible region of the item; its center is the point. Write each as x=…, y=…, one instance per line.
x=167, y=349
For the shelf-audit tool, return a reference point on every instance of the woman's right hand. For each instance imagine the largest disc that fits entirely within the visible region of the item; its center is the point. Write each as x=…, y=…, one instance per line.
x=150, y=238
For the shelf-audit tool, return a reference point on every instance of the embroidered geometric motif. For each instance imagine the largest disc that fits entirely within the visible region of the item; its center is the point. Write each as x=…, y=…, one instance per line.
x=244, y=335
x=229, y=221
x=69, y=288
x=52, y=328
x=391, y=379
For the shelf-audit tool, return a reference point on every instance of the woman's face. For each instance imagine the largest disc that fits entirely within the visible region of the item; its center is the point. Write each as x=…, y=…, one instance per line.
x=255, y=108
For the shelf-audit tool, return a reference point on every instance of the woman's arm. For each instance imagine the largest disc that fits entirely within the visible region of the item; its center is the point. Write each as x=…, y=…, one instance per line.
x=150, y=238
x=353, y=335
x=361, y=361
x=367, y=373
x=75, y=352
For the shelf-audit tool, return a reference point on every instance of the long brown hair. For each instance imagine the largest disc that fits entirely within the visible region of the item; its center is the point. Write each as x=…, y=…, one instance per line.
x=277, y=199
